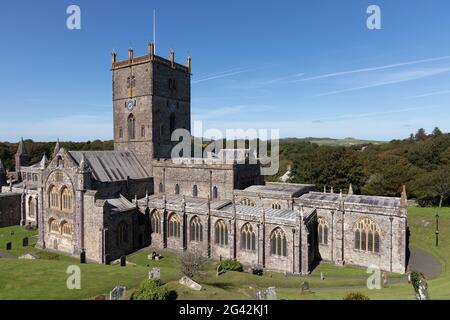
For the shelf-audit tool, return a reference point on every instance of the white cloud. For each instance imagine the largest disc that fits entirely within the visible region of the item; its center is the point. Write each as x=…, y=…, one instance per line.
x=393, y=78
x=389, y=66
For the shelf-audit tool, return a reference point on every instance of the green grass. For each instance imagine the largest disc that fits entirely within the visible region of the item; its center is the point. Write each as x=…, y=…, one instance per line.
x=46, y=279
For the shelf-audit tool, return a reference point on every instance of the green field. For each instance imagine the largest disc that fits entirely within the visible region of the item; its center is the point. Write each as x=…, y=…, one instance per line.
x=46, y=278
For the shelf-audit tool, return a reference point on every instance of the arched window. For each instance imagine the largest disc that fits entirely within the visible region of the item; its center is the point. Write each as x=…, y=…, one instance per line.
x=248, y=238
x=322, y=231
x=174, y=226
x=278, y=243
x=122, y=233
x=247, y=202
x=32, y=207
x=367, y=235
x=155, y=222
x=60, y=162
x=131, y=127
x=177, y=189
x=54, y=198
x=53, y=225
x=120, y=132
x=66, y=228
x=195, y=191
x=66, y=200
x=221, y=233
x=172, y=123
x=196, y=229
x=276, y=206
x=161, y=187
x=215, y=194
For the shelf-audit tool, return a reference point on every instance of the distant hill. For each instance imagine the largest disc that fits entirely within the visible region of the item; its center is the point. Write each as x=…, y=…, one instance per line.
x=346, y=142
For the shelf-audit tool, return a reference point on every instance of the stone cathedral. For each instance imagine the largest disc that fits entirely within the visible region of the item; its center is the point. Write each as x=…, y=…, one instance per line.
x=105, y=204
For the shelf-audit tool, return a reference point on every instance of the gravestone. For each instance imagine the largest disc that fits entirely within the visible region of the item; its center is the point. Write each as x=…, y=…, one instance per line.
x=83, y=257
x=118, y=293
x=25, y=242
x=154, y=273
x=191, y=284
x=154, y=255
x=259, y=295
x=8, y=246
x=322, y=276
x=304, y=286
x=123, y=261
x=271, y=293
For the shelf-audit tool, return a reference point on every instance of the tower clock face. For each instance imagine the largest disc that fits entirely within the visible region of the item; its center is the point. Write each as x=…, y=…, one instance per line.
x=130, y=104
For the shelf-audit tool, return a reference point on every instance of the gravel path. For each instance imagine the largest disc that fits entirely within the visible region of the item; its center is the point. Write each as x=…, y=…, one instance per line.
x=424, y=262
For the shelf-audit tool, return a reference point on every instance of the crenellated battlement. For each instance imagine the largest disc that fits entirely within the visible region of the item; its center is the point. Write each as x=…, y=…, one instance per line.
x=150, y=57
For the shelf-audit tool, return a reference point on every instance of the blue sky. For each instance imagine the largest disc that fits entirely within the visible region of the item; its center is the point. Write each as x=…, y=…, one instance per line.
x=308, y=68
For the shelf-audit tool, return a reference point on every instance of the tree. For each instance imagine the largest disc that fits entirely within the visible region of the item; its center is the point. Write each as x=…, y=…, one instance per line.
x=421, y=134
x=436, y=132
x=191, y=262
x=436, y=184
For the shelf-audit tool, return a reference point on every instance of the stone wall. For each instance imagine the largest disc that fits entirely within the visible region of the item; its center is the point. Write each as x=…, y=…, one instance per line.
x=10, y=209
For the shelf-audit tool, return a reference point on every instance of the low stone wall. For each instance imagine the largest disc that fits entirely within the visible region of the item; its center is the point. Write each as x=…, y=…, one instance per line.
x=9, y=209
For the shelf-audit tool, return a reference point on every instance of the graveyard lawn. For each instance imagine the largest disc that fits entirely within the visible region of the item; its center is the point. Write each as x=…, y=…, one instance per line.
x=45, y=278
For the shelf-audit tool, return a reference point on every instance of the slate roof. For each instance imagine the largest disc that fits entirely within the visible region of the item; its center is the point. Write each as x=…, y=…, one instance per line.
x=389, y=202
x=120, y=204
x=226, y=206
x=257, y=212
x=109, y=166
x=288, y=189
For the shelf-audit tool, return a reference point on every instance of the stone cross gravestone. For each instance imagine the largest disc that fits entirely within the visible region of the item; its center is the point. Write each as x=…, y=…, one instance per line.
x=9, y=246
x=118, y=293
x=25, y=242
x=154, y=273
x=271, y=293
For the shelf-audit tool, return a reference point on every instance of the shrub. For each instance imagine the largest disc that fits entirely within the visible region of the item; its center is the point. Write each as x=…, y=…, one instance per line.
x=257, y=270
x=231, y=265
x=356, y=296
x=150, y=289
x=46, y=255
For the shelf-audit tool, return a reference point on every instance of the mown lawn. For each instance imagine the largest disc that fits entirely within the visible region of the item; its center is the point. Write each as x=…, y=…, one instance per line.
x=46, y=278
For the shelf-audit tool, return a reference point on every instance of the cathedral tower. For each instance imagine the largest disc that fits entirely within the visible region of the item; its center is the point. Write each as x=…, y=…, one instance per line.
x=151, y=98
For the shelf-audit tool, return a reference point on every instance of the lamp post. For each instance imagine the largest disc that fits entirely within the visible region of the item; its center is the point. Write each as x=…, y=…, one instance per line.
x=437, y=229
